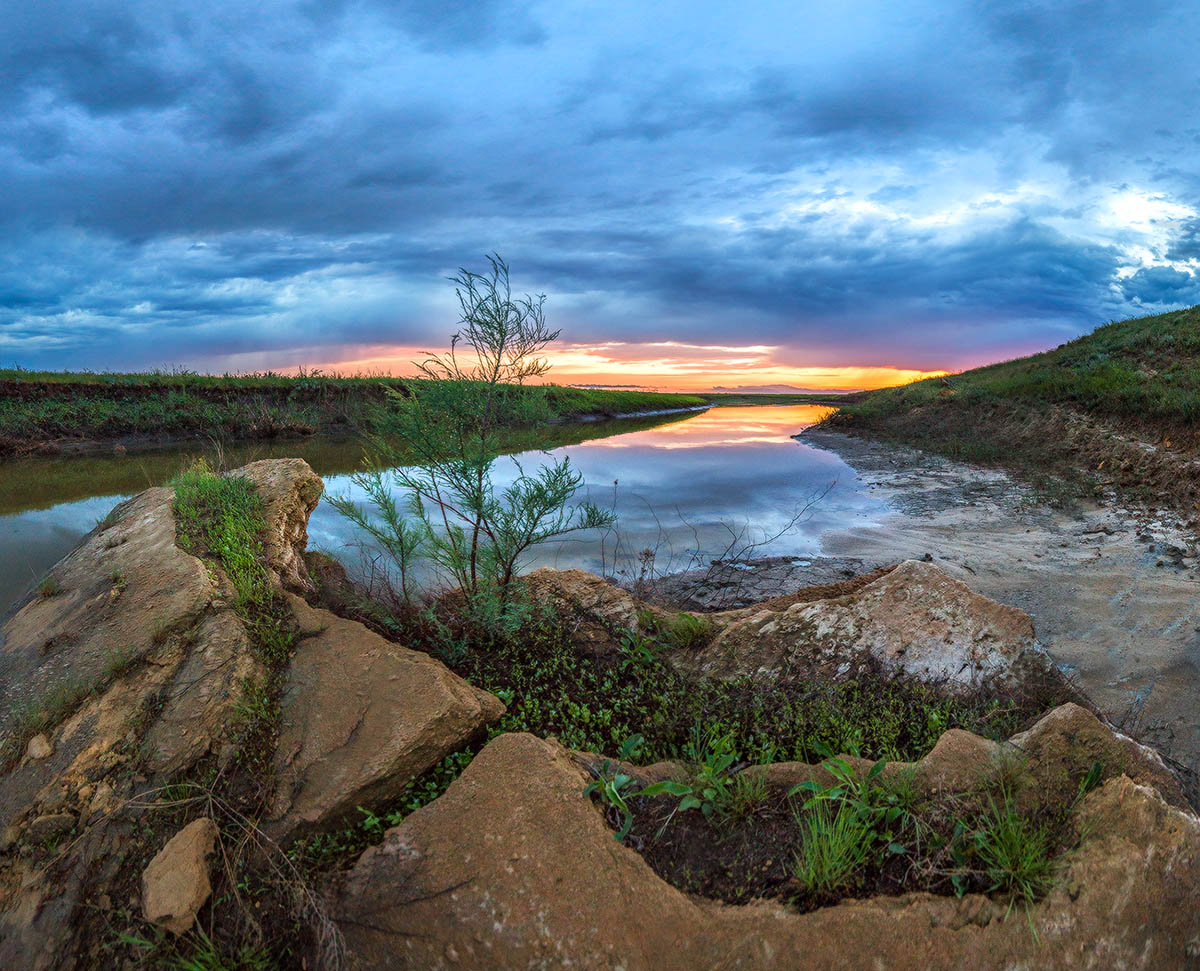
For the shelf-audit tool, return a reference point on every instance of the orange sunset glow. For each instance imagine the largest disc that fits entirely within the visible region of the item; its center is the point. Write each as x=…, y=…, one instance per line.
x=665, y=365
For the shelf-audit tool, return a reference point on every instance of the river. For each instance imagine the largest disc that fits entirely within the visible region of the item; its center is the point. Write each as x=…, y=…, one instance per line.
x=688, y=487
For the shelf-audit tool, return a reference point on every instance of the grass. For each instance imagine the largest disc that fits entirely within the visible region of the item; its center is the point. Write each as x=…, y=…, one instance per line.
x=37, y=407
x=835, y=845
x=196, y=951
x=39, y=714
x=1077, y=414
x=553, y=686
x=1013, y=851
x=687, y=631
x=49, y=587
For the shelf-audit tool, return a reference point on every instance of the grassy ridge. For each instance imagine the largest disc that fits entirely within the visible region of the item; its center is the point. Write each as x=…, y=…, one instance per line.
x=37, y=408
x=1120, y=405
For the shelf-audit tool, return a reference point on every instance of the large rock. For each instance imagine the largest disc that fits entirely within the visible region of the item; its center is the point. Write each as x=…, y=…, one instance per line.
x=141, y=667
x=175, y=885
x=140, y=625
x=514, y=868
x=362, y=717
x=290, y=491
x=913, y=621
x=601, y=606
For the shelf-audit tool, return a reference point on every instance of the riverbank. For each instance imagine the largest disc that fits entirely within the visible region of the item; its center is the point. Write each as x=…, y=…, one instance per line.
x=224, y=734
x=1117, y=409
x=1113, y=587
x=53, y=412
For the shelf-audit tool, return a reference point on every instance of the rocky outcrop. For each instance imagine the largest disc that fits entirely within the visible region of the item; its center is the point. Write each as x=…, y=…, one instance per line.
x=139, y=626
x=135, y=669
x=912, y=620
x=361, y=718
x=601, y=606
x=513, y=867
x=175, y=885
x=290, y=491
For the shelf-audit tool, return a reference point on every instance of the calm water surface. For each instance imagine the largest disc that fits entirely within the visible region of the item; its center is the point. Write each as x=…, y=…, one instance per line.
x=686, y=488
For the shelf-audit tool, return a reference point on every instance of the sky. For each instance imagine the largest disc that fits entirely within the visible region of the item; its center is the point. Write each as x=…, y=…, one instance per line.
x=759, y=194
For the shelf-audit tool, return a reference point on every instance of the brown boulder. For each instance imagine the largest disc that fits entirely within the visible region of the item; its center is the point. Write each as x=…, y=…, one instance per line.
x=138, y=672
x=604, y=607
x=290, y=491
x=362, y=717
x=1071, y=736
x=514, y=868
x=175, y=884
x=913, y=621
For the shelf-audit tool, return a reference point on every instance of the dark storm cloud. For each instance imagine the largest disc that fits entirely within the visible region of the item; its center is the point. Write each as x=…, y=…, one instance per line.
x=923, y=186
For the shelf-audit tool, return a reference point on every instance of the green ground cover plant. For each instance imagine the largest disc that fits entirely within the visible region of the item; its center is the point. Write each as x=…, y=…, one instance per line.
x=867, y=833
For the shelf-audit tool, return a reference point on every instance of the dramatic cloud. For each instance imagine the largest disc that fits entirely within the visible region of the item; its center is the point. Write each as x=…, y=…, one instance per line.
x=268, y=184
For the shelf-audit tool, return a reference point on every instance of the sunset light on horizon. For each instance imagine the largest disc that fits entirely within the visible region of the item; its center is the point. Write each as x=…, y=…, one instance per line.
x=664, y=366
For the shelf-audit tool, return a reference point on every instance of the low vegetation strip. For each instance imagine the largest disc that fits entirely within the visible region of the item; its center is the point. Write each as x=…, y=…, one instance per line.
x=595, y=699
x=44, y=410
x=1118, y=407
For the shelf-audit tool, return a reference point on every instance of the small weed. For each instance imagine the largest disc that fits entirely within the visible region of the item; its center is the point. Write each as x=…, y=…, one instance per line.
x=118, y=660
x=1011, y=850
x=1008, y=773
x=648, y=621
x=884, y=810
x=615, y=788
x=637, y=651
x=258, y=706
x=160, y=631
x=49, y=587
x=835, y=843
x=687, y=631
x=1091, y=779
x=746, y=795
x=195, y=951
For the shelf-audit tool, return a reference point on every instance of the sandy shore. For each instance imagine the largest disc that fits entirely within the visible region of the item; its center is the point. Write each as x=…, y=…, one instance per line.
x=1114, y=591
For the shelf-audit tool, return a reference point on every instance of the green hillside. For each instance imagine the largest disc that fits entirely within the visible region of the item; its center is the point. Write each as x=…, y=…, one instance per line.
x=1118, y=407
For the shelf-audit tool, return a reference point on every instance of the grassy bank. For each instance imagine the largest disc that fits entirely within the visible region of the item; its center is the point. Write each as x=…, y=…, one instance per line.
x=49, y=410
x=1119, y=407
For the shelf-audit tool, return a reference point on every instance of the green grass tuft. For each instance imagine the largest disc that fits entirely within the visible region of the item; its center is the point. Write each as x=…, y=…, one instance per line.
x=835, y=843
